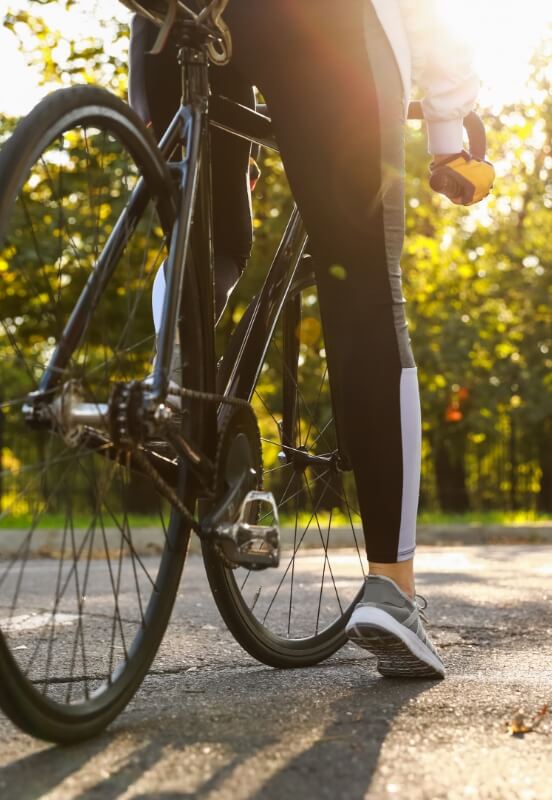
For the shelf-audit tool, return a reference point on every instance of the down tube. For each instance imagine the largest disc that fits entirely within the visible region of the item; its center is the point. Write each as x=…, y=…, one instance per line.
x=249, y=360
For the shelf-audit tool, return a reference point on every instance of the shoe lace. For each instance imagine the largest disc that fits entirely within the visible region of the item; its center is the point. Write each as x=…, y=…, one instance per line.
x=421, y=604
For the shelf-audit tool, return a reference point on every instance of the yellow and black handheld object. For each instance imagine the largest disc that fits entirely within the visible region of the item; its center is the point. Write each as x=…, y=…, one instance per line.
x=463, y=178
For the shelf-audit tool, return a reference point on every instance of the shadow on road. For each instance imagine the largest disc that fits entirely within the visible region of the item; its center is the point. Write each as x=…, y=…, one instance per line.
x=299, y=733
x=40, y=773
x=346, y=753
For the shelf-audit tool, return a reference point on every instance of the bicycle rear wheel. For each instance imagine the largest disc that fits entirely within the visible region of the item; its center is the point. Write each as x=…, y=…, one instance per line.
x=295, y=615
x=90, y=554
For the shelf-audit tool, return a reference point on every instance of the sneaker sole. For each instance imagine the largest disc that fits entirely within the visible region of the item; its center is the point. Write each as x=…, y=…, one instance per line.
x=400, y=653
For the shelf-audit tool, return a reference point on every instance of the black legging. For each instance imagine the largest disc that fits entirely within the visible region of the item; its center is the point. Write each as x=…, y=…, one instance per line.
x=334, y=94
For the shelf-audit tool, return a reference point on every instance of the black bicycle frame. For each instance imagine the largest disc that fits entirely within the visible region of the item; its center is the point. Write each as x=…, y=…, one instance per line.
x=191, y=246
x=190, y=128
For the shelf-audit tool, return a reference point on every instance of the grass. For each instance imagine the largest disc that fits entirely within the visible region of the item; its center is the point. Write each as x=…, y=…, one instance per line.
x=482, y=518
x=57, y=521
x=434, y=518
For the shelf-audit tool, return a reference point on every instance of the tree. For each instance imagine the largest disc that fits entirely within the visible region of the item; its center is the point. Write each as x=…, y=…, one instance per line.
x=479, y=291
x=477, y=284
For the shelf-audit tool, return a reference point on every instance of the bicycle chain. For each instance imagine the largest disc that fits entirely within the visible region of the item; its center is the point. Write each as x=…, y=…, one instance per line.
x=195, y=394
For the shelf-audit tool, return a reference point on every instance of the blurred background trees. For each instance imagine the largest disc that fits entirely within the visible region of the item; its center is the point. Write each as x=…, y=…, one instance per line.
x=477, y=282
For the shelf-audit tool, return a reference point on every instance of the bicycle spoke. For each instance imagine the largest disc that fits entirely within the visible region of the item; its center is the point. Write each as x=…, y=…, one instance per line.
x=18, y=352
x=267, y=409
x=322, y=578
x=305, y=596
x=324, y=429
x=293, y=566
x=298, y=390
x=319, y=393
x=118, y=619
x=54, y=612
x=357, y=547
x=26, y=552
x=282, y=579
x=126, y=526
x=82, y=589
x=125, y=537
x=325, y=546
x=292, y=497
x=38, y=252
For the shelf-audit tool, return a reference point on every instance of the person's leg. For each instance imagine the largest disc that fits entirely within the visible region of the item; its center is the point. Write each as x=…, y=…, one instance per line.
x=334, y=94
x=154, y=92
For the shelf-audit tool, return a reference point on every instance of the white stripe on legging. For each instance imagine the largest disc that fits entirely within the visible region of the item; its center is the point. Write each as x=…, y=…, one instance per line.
x=411, y=436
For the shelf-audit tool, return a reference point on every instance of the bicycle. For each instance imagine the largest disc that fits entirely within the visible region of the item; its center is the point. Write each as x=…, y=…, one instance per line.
x=91, y=206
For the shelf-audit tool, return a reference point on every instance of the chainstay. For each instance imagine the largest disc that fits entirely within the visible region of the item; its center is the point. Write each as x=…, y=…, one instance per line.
x=165, y=488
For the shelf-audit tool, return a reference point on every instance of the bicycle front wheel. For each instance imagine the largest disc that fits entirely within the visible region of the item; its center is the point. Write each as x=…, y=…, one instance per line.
x=90, y=554
x=295, y=615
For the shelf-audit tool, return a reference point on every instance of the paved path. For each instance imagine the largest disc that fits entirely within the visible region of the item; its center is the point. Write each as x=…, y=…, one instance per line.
x=212, y=724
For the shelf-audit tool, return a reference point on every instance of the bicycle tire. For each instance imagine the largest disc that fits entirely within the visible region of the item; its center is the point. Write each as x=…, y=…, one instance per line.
x=273, y=647
x=40, y=709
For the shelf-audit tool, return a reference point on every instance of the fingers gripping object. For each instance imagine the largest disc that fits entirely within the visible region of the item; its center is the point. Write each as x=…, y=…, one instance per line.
x=462, y=178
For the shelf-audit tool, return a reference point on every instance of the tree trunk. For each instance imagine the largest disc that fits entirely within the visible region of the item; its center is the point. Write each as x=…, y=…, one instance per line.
x=514, y=503
x=544, y=449
x=450, y=472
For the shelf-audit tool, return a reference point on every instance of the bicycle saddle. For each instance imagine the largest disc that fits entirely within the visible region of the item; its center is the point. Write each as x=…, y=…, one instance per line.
x=175, y=15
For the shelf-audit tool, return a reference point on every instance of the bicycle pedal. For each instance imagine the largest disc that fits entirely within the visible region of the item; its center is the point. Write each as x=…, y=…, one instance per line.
x=250, y=544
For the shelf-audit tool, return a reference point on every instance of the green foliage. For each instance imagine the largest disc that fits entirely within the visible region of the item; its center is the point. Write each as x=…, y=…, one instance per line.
x=53, y=237
x=477, y=284
x=479, y=292
x=64, y=60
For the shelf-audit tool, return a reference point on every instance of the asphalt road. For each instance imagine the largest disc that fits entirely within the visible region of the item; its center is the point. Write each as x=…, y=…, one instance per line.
x=210, y=723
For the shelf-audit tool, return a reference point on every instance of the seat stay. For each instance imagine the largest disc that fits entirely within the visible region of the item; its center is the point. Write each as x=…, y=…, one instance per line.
x=249, y=360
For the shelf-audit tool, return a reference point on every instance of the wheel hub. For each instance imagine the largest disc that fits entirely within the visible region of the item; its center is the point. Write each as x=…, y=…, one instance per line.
x=301, y=459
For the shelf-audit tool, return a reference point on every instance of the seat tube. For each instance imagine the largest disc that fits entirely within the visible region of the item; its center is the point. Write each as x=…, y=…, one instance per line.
x=194, y=64
x=202, y=241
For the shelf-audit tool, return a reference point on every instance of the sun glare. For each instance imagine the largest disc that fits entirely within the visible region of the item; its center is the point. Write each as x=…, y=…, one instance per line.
x=503, y=33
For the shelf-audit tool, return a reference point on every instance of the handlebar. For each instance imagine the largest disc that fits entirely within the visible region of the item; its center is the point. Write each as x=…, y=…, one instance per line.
x=441, y=181
x=472, y=123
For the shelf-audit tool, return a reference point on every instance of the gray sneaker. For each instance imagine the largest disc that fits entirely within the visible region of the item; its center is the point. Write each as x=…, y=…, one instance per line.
x=387, y=623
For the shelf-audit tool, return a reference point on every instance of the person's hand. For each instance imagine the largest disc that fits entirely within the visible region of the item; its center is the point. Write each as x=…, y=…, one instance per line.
x=465, y=180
